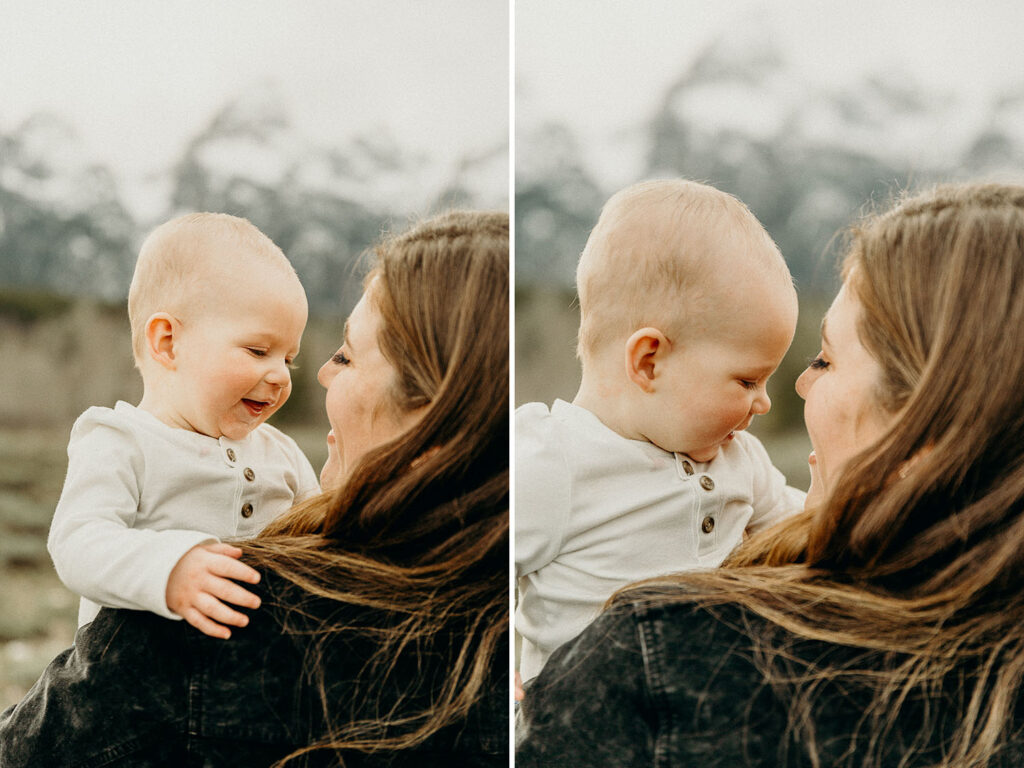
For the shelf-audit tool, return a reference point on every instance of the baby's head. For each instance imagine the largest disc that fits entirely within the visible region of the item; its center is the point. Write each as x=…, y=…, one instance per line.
x=217, y=314
x=687, y=307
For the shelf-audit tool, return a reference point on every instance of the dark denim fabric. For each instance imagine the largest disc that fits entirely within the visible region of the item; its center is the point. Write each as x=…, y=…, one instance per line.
x=138, y=690
x=676, y=686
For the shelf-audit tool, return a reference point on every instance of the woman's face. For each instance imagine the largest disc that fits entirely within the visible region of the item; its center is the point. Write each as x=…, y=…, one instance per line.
x=838, y=387
x=360, y=385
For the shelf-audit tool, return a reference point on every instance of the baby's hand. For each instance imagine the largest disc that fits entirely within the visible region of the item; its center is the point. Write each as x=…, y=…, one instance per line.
x=202, y=579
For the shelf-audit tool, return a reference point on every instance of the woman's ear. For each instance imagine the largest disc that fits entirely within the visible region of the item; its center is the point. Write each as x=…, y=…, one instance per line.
x=645, y=351
x=161, y=332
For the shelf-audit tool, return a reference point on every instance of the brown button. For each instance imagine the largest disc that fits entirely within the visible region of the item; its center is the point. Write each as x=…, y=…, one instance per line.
x=707, y=524
x=247, y=510
x=231, y=454
x=687, y=467
x=707, y=483
x=249, y=474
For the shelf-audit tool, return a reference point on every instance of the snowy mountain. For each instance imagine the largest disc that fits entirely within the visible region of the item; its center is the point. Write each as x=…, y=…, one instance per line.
x=65, y=224
x=805, y=157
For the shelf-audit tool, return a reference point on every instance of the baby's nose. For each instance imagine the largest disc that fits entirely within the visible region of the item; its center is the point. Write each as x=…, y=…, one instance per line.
x=762, y=403
x=279, y=374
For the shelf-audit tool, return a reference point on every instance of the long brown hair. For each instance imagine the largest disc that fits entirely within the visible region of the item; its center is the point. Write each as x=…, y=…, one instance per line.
x=417, y=536
x=915, y=557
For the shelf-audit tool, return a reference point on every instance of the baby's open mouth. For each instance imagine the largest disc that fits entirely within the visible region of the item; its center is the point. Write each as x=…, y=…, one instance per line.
x=255, y=406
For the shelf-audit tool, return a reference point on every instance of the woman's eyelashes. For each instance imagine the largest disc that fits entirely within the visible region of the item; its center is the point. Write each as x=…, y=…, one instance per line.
x=818, y=363
x=340, y=359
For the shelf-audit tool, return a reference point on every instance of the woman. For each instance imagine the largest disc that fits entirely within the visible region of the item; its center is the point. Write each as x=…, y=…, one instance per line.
x=382, y=638
x=885, y=625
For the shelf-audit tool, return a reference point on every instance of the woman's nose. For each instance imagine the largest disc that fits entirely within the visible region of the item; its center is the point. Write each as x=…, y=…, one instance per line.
x=803, y=383
x=326, y=374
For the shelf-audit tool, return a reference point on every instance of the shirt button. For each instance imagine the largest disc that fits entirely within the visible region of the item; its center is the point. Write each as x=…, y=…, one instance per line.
x=231, y=454
x=707, y=524
x=247, y=510
x=687, y=467
x=707, y=483
x=249, y=474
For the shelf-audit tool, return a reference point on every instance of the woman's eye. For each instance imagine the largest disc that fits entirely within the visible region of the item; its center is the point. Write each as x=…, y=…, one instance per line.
x=818, y=363
x=339, y=358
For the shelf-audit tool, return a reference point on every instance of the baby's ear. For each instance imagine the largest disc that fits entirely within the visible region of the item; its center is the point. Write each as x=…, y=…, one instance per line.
x=161, y=329
x=645, y=350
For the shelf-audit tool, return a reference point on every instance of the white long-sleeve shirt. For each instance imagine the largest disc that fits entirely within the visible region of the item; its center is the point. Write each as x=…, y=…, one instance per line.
x=139, y=494
x=596, y=511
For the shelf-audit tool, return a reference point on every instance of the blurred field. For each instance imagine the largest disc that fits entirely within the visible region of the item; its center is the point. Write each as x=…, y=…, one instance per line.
x=37, y=613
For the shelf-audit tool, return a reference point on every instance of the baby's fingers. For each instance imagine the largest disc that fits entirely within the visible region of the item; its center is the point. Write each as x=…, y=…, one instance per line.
x=229, y=568
x=229, y=592
x=221, y=548
x=214, y=609
x=196, y=618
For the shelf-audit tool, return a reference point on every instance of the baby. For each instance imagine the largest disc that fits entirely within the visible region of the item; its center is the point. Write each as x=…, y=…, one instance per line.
x=687, y=307
x=217, y=313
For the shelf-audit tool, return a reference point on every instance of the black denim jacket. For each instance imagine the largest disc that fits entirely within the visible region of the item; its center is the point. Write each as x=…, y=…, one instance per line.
x=677, y=686
x=139, y=690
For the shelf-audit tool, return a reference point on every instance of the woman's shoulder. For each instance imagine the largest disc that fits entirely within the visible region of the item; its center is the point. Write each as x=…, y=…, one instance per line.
x=683, y=608
x=299, y=646
x=121, y=687
x=655, y=638
x=649, y=668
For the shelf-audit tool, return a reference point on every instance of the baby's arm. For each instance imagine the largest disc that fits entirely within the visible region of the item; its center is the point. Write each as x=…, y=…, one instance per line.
x=307, y=483
x=773, y=500
x=95, y=547
x=542, y=501
x=542, y=490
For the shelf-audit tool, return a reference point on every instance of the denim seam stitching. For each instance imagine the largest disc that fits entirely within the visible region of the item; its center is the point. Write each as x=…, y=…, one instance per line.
x=654, y=668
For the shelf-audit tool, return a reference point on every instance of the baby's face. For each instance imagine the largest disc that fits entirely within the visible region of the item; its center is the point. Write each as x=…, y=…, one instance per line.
x=233, y=362
x=712, y=383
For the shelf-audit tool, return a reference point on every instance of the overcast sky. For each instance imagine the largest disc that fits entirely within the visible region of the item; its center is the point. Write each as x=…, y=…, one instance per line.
x=601, y=66
x=137, y=78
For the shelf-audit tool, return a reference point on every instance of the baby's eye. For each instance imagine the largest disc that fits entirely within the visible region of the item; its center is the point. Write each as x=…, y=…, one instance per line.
x=257, y=352
x=818, y=363
x=290, y=363
x=340, y=359
x=747, y=384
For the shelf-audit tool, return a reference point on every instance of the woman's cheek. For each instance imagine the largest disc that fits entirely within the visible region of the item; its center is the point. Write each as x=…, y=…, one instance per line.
x=330, y=474
x=820, y=421
x=816, y=491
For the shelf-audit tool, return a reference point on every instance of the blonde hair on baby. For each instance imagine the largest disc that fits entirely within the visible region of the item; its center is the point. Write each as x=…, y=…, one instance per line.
x=184, y=263
x=651, y=257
